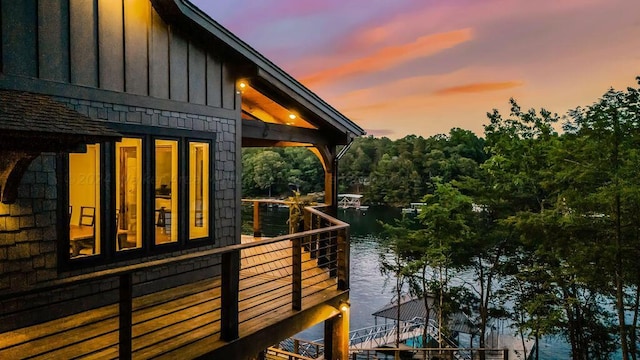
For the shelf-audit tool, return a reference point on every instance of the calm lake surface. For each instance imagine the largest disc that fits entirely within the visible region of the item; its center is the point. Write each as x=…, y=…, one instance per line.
x=369, y=289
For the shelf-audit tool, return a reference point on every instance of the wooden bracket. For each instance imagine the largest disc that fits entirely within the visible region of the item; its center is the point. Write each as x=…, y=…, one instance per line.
x=13, y=165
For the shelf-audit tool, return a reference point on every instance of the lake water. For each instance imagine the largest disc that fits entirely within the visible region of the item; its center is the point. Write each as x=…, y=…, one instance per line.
x=369, y=291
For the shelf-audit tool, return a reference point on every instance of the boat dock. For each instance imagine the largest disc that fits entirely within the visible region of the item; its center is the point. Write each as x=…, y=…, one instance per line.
x=351, y=201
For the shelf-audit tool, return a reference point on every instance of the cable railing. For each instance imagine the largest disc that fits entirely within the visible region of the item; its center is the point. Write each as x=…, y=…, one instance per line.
x=389, y=353
x=255, y=279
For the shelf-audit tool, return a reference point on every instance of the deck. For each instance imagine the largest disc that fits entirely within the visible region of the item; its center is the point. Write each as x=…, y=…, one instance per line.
x=182, y=322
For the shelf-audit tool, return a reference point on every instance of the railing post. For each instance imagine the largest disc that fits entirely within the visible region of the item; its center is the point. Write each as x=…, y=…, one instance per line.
x=296, y=271
x=124, y=318
x=343, y=259
x=229, y=295
x=506, y=354
x=296, y=346
x=256, y=219
x=308, y=225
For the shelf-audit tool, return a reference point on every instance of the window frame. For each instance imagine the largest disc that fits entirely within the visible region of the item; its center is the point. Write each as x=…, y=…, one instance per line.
x=211, y=193
x=108, y=252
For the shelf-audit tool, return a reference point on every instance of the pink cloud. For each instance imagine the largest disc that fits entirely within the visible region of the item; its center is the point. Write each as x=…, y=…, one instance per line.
x=392, y=56
x=478, y=88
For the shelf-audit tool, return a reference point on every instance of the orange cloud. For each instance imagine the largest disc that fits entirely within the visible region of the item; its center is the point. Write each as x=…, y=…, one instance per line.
x=478, y=88
x=392, y=56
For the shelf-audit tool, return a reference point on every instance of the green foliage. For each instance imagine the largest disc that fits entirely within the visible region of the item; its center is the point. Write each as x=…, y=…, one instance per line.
x=274, y=169
x=554, y=219
x=548, y=222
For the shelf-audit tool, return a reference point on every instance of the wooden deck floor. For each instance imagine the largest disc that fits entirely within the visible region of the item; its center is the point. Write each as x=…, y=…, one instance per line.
x=182, y=322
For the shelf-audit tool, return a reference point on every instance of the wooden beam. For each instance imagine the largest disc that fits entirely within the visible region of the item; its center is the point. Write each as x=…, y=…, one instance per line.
x=12, y=166
x=254, y=129
x=273, y=333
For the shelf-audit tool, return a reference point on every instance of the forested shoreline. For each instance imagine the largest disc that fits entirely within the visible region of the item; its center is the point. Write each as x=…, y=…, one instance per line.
x=552, y=216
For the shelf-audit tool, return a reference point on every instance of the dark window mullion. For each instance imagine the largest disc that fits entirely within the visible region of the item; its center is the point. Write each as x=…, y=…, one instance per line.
x=183, y=196
x=148, y=191
x=107, y=199
x=212, y=190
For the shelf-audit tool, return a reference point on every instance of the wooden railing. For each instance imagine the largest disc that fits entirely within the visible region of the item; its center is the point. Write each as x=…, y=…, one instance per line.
x=308, y=262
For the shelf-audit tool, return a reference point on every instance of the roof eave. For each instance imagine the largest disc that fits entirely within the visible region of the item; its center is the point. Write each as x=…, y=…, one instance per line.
x=266, y=70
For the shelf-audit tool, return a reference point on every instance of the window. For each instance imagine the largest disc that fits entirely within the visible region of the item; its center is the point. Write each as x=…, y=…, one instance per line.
x=198, y=190
x=148, y=193
x=129, y=193
x=166, y=191
x=84, y=202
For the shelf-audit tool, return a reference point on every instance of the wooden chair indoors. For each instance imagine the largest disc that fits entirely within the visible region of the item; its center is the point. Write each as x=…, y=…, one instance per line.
x=121, y=235
x=85, y=238
x=87, y=216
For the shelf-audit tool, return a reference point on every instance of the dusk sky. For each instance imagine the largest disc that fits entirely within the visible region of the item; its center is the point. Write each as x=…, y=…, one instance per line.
x=399, y=67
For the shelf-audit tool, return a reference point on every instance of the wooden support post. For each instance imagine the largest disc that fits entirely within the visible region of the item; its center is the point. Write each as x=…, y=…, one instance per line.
x=296, y=346
x=296, y=271
x=506, y=354
x=124, y=318
x=343, y=259
x=229, y=295
x=336, y=337
x=256, y=219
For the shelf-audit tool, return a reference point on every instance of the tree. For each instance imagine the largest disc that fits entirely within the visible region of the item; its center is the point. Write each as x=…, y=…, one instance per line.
x=268, y=169
x=394, y=181
x=601, y=158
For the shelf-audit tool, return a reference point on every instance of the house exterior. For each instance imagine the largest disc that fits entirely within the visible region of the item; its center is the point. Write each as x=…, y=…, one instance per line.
x=121, y=129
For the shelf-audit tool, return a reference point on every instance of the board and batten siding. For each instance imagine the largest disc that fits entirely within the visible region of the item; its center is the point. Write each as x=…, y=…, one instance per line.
x=116, y=45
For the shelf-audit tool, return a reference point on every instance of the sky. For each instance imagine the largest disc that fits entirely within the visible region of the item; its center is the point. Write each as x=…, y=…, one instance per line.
x=401, y=67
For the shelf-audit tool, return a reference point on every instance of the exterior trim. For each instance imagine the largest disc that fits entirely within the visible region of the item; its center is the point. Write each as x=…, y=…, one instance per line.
x=193, y=18
x=92, y=94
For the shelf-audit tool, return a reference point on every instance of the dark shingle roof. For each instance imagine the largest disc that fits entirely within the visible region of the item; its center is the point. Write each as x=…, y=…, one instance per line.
x=29, y=114
x=412, y=308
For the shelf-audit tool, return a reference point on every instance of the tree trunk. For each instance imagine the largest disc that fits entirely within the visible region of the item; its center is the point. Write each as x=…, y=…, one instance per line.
x=634, y=326
x=619, y=277
x=483, y=314
x=399, y=294
x=425, y=298
x=620, y=285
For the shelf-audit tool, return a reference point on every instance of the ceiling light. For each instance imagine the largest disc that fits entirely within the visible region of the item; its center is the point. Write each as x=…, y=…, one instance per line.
x=292, y=116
